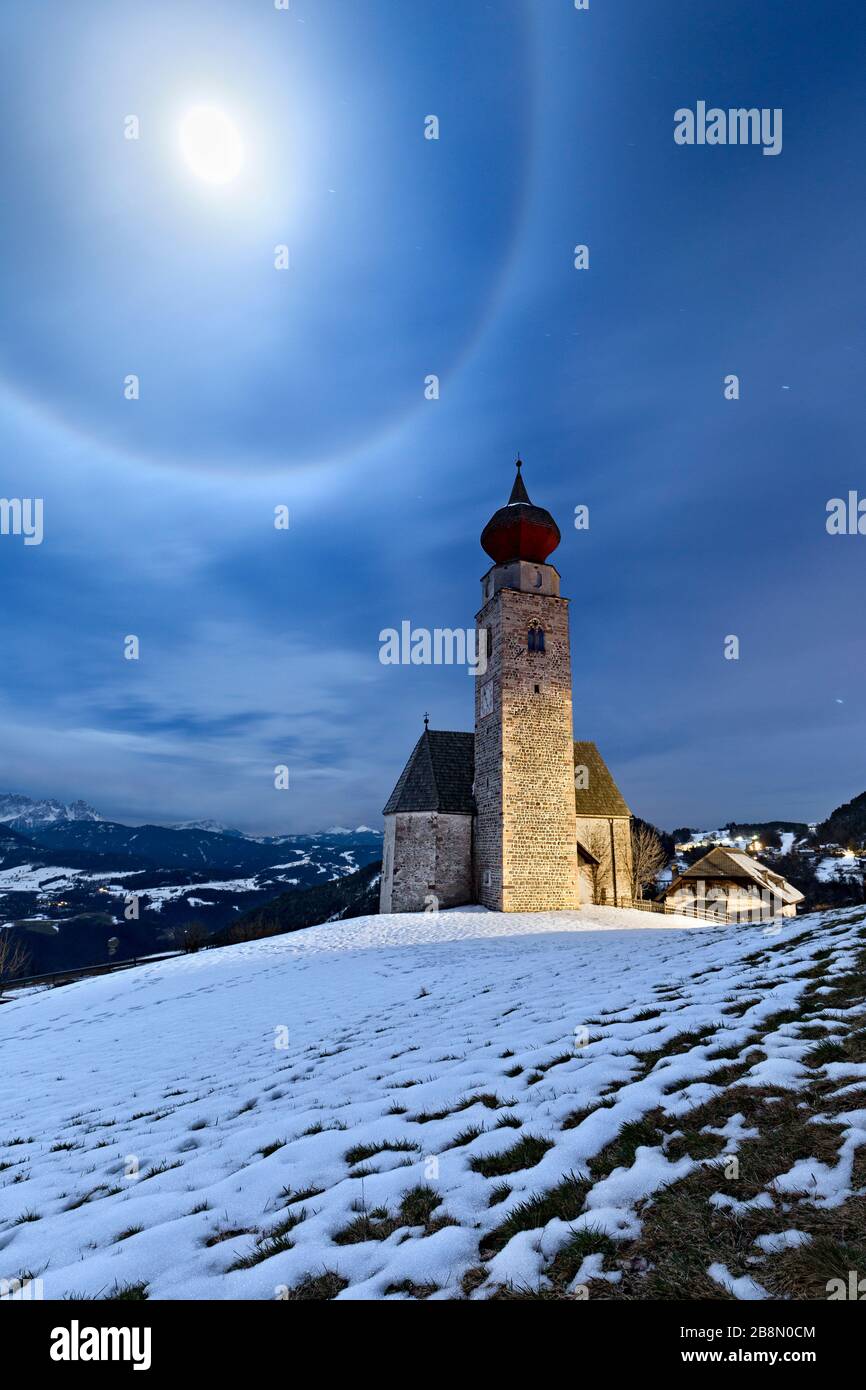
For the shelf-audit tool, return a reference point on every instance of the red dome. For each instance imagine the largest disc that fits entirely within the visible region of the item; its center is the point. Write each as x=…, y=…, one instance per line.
x=520, y=531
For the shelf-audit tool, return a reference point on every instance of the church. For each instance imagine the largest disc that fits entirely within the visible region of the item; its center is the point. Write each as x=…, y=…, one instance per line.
x=516, y=816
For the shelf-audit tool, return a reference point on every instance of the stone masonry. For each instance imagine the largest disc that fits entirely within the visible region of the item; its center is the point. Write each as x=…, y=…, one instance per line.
x=524, y=781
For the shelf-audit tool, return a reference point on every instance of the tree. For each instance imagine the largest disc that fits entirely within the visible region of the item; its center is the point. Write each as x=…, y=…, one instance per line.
x=598, y=844
x=14, y=958
x=191, y=937
x=648, y=858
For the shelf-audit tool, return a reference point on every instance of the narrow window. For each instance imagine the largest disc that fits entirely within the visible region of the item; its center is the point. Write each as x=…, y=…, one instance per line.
x=535, y=638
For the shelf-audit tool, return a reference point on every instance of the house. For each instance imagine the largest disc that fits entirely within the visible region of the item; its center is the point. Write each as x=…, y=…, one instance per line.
x=733, y=886
x=516, y=816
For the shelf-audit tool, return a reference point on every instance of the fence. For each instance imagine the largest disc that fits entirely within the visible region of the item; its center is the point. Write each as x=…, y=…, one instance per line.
x=719, y=917
x=64, y=977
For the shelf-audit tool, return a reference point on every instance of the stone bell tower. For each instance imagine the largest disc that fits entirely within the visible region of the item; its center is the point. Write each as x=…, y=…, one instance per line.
x=525, y=855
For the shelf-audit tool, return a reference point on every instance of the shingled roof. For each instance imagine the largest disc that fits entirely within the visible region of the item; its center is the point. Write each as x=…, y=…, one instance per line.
x=601, y=796
x=722, y=863
x=438, y=775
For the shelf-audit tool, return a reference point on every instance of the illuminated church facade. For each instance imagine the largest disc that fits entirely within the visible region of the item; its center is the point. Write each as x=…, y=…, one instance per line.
x=515, y=816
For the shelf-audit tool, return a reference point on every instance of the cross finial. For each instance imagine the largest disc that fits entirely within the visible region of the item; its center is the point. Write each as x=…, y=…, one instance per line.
x=426, y=720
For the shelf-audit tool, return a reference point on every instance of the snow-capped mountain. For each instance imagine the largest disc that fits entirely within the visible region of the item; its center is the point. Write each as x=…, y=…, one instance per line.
x=214, y=826
x=26, y=813
x=64, y=885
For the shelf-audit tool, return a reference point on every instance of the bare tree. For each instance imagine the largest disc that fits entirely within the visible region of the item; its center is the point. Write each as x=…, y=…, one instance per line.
x=598, y=844
x=14, y=959
x=191, y=937
x=648, y=858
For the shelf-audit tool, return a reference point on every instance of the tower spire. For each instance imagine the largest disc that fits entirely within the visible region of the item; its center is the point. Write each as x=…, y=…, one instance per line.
x=518, y=492
x=519, y=530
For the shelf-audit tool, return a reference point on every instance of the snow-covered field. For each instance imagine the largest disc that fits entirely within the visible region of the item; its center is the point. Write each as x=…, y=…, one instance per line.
x=377, y=1098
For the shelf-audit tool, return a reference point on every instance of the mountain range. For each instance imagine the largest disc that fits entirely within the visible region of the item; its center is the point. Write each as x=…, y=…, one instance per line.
x=25, y=813
x=67, y=881
x=68, y=876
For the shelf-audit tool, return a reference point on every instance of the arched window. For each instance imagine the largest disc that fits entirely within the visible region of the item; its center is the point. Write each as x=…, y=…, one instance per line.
x=535, y=638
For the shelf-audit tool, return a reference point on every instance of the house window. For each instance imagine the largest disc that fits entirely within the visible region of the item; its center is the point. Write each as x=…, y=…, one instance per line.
x=535, y=638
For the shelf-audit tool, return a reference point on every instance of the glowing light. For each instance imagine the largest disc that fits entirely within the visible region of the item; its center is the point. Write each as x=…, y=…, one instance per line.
x=211, y=145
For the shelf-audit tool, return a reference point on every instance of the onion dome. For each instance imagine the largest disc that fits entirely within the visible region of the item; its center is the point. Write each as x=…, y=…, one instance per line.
x=520, y=531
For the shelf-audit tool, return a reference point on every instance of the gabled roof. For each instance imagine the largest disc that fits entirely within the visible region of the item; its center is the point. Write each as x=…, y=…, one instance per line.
x=736, y=864
x=586, y=853
x=601, y=796
x=438, y=775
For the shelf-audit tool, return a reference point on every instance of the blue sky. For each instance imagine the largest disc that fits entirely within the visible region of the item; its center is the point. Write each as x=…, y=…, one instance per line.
x=306, y=388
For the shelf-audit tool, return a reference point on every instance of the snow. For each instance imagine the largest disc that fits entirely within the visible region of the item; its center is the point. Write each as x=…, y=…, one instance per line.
x=156, y=897
x=193, y=1097
x=744, y=1287
x=838, y=866
x=782, y=1240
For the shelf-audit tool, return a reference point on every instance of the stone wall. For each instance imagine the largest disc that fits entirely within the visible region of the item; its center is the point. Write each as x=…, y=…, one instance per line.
x=525, y=853
x=594, y=833
x=426, y=862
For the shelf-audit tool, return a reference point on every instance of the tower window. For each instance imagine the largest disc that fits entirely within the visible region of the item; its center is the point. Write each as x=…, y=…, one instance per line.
x=535, y=638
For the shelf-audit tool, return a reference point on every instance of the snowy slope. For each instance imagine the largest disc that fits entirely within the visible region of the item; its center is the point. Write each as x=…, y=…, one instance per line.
x=158, y=1125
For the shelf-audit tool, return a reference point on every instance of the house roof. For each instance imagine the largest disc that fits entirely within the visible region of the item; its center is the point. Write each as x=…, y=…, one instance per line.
x=438, y=775
x=601, y=796
x=586, y=854
x=723, y=863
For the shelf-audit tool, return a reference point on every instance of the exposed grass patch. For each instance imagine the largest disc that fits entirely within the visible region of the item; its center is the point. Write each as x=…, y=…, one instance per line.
x=674, y=1047
x=565, y=1201
x=131, y=1293
x=227, y=1233
x=272, y=1148
x=25, y=1217
x=272, y=1242
x=740, y=1007
x=320, y=1287
x=304, y=1194
x=577, y=1117
x=485, y=1098
x=621, y=1151
x=466, y=1136
x=417, y=1207
x=526, y=1153
x=413, y=1290
x=364, y=1151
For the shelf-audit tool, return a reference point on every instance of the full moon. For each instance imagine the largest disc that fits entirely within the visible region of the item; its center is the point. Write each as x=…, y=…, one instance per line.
x=211, y=145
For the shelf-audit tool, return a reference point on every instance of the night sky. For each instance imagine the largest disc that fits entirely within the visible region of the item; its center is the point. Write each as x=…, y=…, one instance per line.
x=305, y=387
